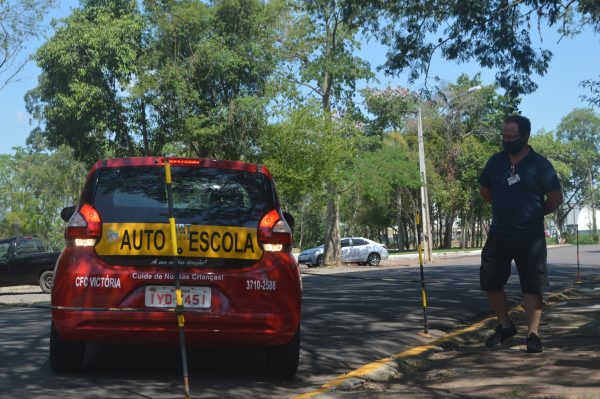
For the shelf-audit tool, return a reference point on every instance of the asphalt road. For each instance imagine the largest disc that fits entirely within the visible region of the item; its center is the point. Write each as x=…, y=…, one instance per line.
x=349, y=319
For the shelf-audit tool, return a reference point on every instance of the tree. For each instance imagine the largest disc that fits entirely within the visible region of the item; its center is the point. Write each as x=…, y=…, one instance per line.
x=383, y=179
x=564, y=158
x=390, y=108
x=594, y=87
x=393, y=163
x=20, y=21
x=88, y=67
x=496, y=34
x=209, y=74
x=473, y=211
x=182, y=77
x=291, y=149
x=582, y=124
x=450, y=119
x=34, y=187
x=318, y=46
x=581, y=128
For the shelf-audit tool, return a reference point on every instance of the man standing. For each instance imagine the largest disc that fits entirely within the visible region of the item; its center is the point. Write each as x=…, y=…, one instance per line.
x=522, y=187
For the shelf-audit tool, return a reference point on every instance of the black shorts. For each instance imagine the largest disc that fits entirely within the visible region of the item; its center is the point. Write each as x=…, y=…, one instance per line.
x=529, y=254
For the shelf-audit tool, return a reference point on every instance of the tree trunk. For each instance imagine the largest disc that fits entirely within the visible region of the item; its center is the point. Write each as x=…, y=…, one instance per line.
x=440, y=230
x=144, y=127
x=400, y=238
x=332, y=250
x=479, y=242
x=448, y=230
x=593, y=204
x=473, y=232
x=414, y=233
x=301, y=228
x=407, y=239
x=463, y=233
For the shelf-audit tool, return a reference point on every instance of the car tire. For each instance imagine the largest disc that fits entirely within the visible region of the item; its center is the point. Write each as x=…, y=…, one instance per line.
x=65, y=356
x=319, y=260
x=373, y=259
x=46, y=281
x=282, y=360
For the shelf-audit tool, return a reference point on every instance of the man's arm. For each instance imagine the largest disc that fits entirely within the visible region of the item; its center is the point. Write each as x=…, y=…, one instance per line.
x=553, y=200
x=486, y=193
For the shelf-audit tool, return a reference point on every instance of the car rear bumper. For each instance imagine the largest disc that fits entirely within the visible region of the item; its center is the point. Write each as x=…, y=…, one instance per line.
x=93, y=301
x=161, y=327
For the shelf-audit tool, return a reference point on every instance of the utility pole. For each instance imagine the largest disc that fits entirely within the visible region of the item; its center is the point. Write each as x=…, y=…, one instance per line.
x=424, y=195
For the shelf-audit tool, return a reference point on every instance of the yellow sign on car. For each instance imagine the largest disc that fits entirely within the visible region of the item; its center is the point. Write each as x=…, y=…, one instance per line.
x=154, y=239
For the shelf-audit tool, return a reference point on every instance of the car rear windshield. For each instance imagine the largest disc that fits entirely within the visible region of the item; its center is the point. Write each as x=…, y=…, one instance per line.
x=28, y=245
x=201, y=196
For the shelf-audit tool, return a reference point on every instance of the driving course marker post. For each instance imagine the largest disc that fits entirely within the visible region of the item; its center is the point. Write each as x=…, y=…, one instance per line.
x=425, y=332
x=178, y=296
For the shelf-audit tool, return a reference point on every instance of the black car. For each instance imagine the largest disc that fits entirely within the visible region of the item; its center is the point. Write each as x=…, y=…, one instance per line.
x=24, y=260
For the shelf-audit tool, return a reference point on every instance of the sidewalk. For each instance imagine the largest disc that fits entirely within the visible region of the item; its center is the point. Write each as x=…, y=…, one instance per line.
x=462, y=367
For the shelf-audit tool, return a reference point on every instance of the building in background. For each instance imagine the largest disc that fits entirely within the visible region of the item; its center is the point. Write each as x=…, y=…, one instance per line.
x=582, y=217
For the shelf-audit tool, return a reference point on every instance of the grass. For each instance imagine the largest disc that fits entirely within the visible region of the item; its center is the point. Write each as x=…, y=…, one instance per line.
x=584, y=238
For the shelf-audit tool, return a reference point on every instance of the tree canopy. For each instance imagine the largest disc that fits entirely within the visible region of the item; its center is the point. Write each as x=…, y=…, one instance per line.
x=34, y=188
x=496, y=34
x=20, y=21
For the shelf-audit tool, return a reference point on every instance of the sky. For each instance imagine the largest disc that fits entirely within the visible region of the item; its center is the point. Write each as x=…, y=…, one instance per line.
x=558, y=93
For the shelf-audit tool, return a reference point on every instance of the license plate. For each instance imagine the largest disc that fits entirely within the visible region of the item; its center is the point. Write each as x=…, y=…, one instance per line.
x=164, y=297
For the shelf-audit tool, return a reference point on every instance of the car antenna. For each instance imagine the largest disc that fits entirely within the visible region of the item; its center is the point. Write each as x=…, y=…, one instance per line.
x=178, y=296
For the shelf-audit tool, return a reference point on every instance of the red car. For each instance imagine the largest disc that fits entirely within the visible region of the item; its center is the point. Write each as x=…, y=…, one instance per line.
x=114, y=281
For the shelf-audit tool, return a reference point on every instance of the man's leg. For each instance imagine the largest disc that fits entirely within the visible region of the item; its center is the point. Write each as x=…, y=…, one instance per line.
x=498, y=301
x=532, y=265
x=493, y=274
x=505, y=328
x=533, y=308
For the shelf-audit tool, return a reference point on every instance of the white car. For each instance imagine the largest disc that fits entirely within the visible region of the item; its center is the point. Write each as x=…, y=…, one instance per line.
x=354, y=250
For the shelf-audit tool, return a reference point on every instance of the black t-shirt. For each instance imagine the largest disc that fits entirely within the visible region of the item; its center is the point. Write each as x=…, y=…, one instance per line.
x=518, y=200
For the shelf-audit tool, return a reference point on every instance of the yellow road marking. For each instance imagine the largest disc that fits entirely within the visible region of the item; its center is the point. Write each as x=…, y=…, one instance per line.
x=368, y=368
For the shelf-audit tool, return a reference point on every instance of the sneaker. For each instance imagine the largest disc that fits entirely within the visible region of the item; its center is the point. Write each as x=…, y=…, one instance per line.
x=534, y=344
x=500, y=334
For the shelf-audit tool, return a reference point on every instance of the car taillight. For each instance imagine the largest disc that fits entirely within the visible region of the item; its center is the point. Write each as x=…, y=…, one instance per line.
x=274, y=234
x=84, y=227
x=184, y=161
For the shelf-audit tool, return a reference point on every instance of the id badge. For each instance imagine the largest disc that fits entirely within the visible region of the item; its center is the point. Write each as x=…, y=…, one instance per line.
x=513, y=179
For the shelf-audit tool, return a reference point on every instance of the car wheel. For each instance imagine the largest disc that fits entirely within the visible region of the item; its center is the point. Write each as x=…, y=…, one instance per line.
x=46, y=280
x=373, y=259
x=319, y=260
x=65, y=356
x=282, y=360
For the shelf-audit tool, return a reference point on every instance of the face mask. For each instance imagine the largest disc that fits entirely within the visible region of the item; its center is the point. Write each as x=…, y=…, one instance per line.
x=513, y=147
